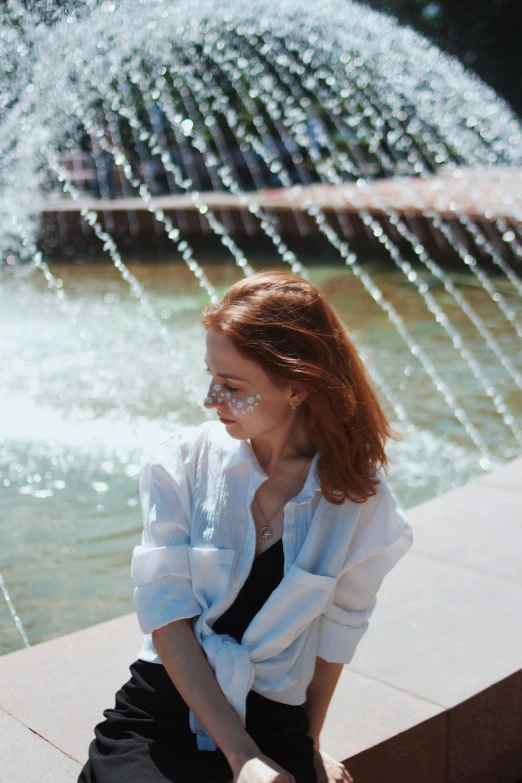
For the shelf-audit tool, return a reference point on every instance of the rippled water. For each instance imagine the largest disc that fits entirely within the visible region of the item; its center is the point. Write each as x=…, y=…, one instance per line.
x=70, y=512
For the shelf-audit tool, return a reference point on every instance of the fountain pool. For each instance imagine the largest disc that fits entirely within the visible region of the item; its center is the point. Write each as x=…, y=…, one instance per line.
x=99, y=359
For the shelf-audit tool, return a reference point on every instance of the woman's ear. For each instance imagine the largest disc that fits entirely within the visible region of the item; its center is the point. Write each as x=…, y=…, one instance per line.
x=297, y=395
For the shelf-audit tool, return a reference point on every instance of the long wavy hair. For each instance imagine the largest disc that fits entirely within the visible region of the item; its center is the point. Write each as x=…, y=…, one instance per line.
x=285, y=324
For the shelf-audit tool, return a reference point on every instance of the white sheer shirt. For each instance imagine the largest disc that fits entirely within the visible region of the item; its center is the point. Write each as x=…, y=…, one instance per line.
x=197, y=549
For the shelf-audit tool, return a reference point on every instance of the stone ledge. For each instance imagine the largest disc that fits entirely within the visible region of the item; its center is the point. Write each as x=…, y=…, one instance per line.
x=27, y=758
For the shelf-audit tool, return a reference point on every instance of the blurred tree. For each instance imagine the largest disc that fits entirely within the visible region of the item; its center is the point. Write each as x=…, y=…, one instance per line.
x=483, y=34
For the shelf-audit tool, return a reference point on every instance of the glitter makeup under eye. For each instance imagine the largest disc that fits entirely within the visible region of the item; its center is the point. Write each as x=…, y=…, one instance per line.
x=237, y=405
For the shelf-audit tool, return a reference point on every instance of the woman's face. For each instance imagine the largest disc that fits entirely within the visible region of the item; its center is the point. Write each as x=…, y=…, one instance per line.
x=245, y=399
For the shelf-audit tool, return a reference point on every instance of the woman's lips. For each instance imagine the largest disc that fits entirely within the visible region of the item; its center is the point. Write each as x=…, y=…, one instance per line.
x=226, y=421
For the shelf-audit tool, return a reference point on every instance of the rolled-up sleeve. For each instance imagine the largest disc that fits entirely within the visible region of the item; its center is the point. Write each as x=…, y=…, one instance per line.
x=382, y=537
x=160, y=568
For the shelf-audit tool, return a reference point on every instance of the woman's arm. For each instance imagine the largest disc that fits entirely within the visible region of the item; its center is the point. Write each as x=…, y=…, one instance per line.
x=194, y=678
x=319, y=693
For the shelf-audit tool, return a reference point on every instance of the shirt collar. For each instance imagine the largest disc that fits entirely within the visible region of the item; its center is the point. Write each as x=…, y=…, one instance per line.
x=237, y=452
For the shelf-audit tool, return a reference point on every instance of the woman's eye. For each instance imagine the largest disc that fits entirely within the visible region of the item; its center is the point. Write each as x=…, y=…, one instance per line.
x=224, y=385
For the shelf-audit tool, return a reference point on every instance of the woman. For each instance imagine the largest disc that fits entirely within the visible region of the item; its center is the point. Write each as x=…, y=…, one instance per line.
x=266, y=536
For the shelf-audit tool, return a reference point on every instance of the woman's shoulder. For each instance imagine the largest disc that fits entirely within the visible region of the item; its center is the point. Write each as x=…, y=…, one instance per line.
x=381, y=517
x=385, y=498
x=187, y=442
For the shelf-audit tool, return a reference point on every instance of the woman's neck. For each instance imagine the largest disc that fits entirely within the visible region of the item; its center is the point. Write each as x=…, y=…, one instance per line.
x=283, y=445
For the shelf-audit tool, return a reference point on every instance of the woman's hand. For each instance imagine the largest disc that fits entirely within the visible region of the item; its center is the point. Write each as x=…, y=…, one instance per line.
x=262, y=769
x=329, y=770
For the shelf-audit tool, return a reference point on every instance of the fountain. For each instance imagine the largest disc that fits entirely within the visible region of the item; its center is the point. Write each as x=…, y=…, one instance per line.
x=192, y=127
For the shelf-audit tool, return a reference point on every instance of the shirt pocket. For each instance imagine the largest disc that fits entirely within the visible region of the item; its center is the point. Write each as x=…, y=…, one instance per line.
x=210, y=569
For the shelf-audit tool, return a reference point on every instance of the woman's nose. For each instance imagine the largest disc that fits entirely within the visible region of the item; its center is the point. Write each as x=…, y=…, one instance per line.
x=213, y=395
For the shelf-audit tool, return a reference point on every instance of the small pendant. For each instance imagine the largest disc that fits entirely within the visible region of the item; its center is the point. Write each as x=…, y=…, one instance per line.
x=265, y=533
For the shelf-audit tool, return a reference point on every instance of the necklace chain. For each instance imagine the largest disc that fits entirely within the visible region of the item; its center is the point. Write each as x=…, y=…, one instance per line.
x=267, y=532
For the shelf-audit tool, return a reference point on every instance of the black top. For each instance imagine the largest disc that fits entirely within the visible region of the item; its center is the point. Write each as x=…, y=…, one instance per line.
x=266, y=573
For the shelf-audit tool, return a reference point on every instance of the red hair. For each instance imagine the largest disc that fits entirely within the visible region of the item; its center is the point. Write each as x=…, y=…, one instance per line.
x=284, y=323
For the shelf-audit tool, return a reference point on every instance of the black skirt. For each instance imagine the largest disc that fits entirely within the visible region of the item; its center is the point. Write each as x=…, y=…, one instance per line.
x=147, y=738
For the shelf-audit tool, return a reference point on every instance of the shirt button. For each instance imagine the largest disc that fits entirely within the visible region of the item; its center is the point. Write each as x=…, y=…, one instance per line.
x=291, y=520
